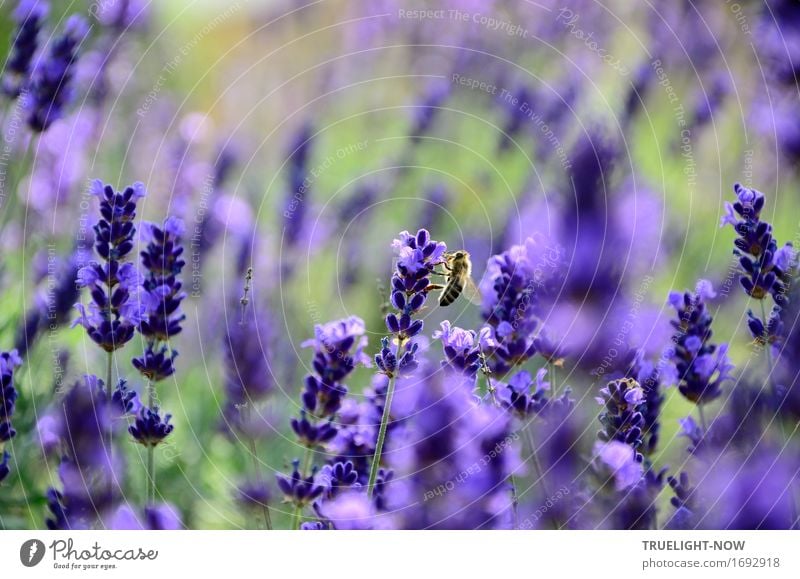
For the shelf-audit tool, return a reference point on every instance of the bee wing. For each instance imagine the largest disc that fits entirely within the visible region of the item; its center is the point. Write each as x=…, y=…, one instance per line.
x=471, y=292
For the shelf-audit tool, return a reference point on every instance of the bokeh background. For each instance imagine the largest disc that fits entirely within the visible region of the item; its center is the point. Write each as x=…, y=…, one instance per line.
x=298, y=138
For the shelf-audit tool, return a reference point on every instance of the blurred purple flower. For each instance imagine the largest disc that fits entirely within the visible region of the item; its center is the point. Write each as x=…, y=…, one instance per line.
x=51, y=80
x=28, y=17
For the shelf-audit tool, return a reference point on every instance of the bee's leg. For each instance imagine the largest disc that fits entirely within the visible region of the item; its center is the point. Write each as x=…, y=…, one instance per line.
x=433, y=287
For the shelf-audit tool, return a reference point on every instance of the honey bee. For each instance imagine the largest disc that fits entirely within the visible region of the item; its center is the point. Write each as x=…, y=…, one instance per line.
x=458, y=269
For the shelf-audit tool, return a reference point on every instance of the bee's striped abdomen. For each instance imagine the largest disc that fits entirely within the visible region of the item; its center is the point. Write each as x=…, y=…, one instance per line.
x=450, y=293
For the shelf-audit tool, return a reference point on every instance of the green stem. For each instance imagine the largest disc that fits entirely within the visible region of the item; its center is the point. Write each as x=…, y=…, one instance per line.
x=376, y=458
x=387, y=412
x=110, y=409
x=257, y=474
x=151, y=476
x=151, y=450
x=537, y=467
x=703, y=423
x=298, y=508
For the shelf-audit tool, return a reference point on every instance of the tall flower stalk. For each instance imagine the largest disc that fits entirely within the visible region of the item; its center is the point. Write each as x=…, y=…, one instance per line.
x=417, y=256
x=161, y=298
x=114, y=311
x=700, y=366
x=338, y=349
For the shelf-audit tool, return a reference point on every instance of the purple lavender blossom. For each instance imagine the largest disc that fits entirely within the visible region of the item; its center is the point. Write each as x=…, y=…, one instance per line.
x=51, y=80
x=114, y=311
x=510, y=294
x=765, y=268
x=452, y=460
x=417, y=255
x=353, y=511
x=622, y=419
x=9, y=361
x=29, y=17
x=122, y=15
x=425, y=113
x=683, y=502
x=161, y=297
x=463, y=349
x=620, y=460
x=149, y=428
x=750, y=491
x=157, y=517
x=338, y=349
x=700, y=367
x=299, y=489
x=648, y=377
x=334, y=359
x=297, y=200
x=86, y=471
x=52, y=308
x=248, y=369
x=522, y=395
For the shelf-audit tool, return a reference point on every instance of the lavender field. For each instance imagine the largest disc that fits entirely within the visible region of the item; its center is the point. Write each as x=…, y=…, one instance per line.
x=386, y=264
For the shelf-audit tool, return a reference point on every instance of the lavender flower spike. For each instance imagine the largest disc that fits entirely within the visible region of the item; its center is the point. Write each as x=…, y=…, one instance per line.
x=463, y=348
x=29, y=17
x=161, y=295
x=700, y=367
x=765, y=268
x=51, y=81
x=9, y=361
x=114, y=312
x=417, y=256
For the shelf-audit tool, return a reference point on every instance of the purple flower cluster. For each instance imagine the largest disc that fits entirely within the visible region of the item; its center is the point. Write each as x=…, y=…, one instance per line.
x=765, y=267
x=622, y=417
x=29, y=17
x=417, y=256
x=51, y=80
x=463, y=349
x=149, y=428
x=510, y=294
x=525, y=397
x=700, y=367
x=161, y=297
x=87, y=471
x=9, y=361
x=453, y=458
x=115, y=311
x=338, y=349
